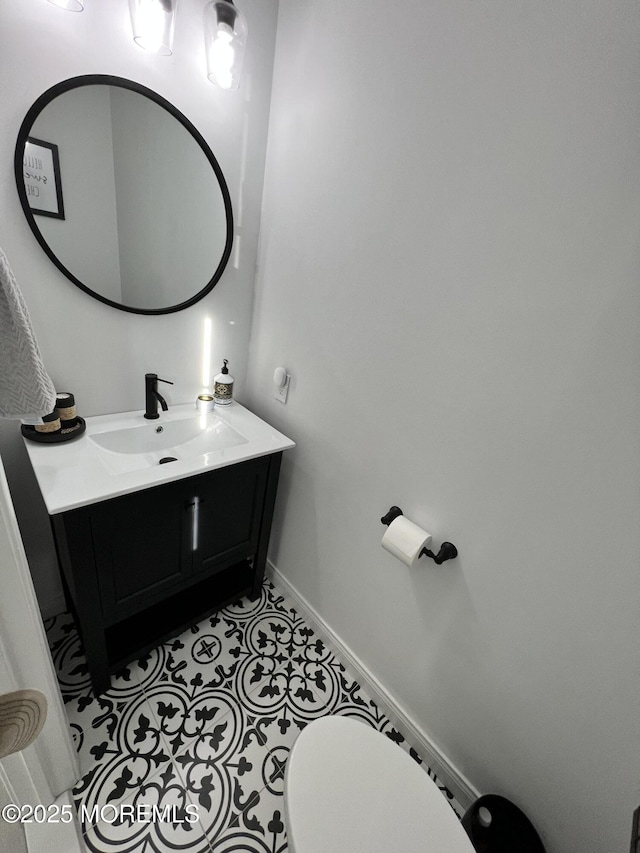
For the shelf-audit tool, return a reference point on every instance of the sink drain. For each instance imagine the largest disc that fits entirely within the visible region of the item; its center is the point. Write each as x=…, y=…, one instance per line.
x=167, y=459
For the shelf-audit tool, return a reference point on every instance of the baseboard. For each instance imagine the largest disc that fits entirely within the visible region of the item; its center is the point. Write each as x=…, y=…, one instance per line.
x=464, y=792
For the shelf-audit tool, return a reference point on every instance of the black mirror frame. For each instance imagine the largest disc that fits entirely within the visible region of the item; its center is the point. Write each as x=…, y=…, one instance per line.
x=107, y=79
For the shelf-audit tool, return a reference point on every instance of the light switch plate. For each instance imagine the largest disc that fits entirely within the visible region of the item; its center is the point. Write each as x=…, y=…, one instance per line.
x=281, y=393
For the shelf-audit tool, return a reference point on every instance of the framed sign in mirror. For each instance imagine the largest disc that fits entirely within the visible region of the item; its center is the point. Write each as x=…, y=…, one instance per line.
x=42, y=178
x=146, y=225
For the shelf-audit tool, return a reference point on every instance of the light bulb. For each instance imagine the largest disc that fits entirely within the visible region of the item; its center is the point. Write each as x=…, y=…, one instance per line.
x=222, y=56
x=152, y=24
x=225, y=37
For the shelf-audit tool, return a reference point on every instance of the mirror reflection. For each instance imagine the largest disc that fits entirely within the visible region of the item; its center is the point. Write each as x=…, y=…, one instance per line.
x=124, y=195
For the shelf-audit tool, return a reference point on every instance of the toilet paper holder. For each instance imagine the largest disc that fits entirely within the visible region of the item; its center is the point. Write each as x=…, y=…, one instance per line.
x=447, y=550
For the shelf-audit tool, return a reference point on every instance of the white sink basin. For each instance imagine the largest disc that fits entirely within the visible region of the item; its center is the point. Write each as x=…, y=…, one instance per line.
x=124, y=453
x=154, y=443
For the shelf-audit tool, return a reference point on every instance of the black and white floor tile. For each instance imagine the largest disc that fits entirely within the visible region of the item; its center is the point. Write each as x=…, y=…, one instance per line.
x=199, y=730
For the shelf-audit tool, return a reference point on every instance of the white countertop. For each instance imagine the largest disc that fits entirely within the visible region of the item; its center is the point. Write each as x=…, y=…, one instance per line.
x=78, y=472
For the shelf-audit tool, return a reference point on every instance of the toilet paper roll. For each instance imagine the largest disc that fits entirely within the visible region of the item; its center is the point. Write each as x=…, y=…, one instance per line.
x=405, y=540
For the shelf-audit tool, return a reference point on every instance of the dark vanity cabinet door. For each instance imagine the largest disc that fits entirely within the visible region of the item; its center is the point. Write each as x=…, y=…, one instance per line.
x=142, y=547
x=226, y=513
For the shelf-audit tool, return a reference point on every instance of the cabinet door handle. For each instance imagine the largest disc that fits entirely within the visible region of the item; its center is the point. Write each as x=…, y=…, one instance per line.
x=194, y=506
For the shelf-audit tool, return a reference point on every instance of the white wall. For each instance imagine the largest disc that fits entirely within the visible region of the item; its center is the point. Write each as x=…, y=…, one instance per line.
x=97, y=352
x=86, y=240
x=449, y=270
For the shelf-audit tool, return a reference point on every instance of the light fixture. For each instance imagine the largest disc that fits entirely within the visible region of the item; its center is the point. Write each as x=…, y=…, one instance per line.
x=152, y=23
x=225, y=36
x=69, y=5
x=225, y=33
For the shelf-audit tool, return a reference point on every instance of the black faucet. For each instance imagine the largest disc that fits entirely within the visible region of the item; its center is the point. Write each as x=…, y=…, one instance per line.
x=152, y=397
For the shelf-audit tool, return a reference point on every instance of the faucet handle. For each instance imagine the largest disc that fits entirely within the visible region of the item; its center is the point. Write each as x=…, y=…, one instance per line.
x=168, y=381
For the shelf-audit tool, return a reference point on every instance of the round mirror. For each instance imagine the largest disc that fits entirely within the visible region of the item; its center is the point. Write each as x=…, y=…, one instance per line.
x=123, y=194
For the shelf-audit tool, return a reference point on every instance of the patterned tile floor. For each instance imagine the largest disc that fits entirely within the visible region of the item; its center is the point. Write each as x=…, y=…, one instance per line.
x=197, y=732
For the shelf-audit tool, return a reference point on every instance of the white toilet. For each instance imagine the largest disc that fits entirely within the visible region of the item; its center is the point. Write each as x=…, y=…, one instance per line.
x=348, y=788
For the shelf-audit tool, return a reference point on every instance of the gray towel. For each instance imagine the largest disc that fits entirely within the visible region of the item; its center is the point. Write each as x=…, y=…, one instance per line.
x=26, y=391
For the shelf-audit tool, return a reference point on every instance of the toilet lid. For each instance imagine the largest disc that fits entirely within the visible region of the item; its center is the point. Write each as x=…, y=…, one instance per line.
x=349, y=788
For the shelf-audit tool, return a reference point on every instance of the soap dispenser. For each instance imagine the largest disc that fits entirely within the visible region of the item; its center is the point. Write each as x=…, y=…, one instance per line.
x=223, y=386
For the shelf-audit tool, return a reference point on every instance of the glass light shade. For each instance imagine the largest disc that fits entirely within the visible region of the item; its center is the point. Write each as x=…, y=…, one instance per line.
x=69, y=5
x=225, y=37
x=152, y=24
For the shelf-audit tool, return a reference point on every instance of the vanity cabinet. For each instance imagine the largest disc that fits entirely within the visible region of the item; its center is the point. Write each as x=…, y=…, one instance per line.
x=140, y=568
